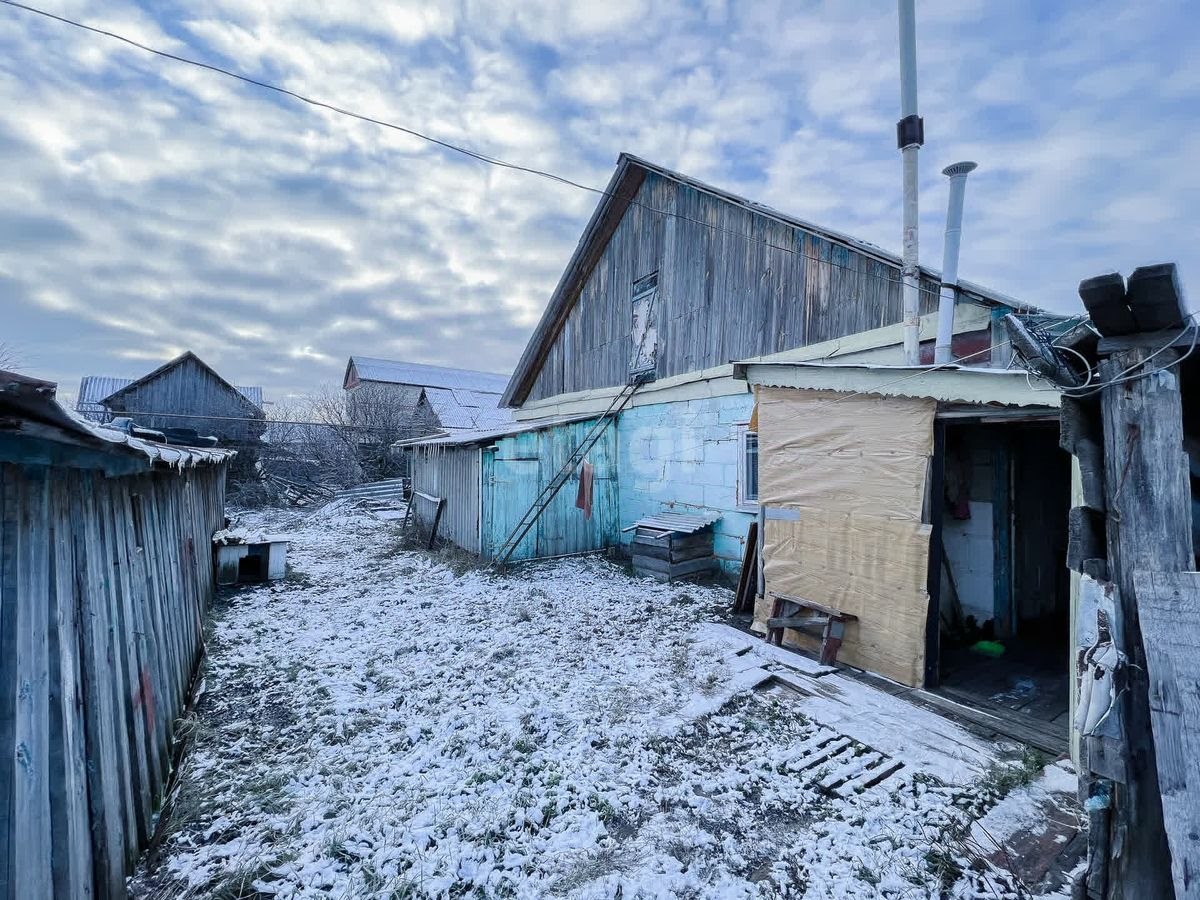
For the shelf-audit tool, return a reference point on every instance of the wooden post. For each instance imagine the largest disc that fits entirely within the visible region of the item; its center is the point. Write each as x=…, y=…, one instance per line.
x=1148, y=528
x=1002, y=533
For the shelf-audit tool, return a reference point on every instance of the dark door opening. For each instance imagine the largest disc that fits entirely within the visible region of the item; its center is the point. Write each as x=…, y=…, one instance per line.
x=1003, y=589
x=253, y=566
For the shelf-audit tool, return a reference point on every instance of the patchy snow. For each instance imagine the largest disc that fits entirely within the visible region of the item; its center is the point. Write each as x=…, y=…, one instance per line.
x=389, y=723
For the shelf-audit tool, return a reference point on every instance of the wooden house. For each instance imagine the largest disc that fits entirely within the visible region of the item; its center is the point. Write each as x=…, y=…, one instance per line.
x=184, y=393
x=105, y=575
x=671, y=282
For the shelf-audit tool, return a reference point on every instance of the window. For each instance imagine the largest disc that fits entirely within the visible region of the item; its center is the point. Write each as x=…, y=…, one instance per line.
x=747, y=467
x=644, y=330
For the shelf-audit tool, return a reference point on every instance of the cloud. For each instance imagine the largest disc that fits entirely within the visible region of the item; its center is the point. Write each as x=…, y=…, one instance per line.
x=149, y=207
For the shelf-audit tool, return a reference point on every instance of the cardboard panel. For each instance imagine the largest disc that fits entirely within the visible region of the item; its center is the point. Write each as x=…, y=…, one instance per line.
x=853, y=468
x=857, y=454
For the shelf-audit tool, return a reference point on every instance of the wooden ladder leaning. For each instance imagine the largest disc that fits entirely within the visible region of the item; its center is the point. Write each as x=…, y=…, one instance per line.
x=552, y=487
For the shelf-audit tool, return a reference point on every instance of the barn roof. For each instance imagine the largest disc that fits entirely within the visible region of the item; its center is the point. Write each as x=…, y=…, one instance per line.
x=36, y=419
x=462, y=409
x=620, y=192
x=93, y=389
x=246, y=394
x=390, y=371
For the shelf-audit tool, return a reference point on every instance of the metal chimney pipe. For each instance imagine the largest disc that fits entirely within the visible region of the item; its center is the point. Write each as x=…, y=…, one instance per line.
x=910, y=135
x=957, y=174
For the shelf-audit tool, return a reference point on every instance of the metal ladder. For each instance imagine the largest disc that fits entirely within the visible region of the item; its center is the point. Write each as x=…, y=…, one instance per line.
x=550, y=491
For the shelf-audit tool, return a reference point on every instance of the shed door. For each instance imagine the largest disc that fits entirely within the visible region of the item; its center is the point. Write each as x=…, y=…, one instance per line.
x=511, y=483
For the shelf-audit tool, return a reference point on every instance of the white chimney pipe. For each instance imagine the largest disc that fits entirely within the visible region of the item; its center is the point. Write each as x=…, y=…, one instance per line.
x=910, y=135
x=957, y=174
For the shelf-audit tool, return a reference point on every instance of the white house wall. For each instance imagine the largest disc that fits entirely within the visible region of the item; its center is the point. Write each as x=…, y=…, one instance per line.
x=684, y=457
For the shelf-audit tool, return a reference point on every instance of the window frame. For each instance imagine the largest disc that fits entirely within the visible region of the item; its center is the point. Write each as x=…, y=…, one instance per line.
x=646, y=288
x=745, y=503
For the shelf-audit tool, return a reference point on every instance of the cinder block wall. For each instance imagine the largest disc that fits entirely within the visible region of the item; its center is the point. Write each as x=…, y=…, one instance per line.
x=683, y=457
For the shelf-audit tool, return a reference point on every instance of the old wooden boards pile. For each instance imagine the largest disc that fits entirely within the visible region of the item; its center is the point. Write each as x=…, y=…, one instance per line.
x=671, y=545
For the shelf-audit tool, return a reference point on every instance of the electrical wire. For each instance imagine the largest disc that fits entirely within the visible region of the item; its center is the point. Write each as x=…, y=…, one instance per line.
x=530, y=170
x=1122, y=377
x=465, y=151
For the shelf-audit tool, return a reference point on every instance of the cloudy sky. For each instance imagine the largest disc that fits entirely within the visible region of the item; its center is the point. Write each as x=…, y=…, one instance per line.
x=148, y=207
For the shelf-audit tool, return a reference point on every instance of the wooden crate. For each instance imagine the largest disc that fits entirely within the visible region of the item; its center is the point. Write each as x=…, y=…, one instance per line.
x=669, y=555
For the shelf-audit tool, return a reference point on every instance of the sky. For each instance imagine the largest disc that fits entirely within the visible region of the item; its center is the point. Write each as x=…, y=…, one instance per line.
x=149, y=207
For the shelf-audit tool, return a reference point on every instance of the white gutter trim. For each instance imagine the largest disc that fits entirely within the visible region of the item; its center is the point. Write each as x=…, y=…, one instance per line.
x=719, y=381
x=963, y=385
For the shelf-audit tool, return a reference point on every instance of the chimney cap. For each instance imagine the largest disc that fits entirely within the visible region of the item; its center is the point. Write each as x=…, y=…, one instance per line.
x=960, y=168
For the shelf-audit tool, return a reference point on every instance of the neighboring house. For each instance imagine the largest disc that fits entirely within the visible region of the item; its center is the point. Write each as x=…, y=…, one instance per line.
x=105, y=576
x=185, y=393
x=664, y=286
x=93, y=389
x=428, y=399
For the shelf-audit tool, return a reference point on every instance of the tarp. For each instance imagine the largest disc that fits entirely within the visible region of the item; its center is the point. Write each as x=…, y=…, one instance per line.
x=851, y=469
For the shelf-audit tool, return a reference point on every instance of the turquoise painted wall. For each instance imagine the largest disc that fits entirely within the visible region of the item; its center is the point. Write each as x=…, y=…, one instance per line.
x=668, y=457
x=514, y=473
x=683, y=457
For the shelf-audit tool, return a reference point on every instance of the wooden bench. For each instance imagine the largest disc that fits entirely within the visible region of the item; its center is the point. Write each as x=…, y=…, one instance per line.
x=810, y=617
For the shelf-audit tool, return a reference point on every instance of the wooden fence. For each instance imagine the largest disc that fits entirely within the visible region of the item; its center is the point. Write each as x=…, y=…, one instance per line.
x=103, y=585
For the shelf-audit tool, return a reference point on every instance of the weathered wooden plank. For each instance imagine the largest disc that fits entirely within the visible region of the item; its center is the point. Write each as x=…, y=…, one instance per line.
x=1148, y=528
x=1080, y=435
x=1168, y=605
x=70, y=819
x=104, y=796
x=8, y=671
x=733, y=283
x=140, y=685
x=1085, y=537
x=33, y=875
x=84, y=644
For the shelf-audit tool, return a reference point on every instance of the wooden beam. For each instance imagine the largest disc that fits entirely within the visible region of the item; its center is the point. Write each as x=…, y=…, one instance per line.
x=1002, y=595
x=1148, y=528
x=1085, y=536
x=1169, y=611
x=1152, y=340
x=1080, y=434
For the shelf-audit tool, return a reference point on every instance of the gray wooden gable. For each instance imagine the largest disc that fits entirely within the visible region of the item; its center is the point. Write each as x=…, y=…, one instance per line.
x=735, y=280
x=184, y=393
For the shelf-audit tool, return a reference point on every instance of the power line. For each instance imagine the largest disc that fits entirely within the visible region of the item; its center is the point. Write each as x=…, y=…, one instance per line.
x=448, y=145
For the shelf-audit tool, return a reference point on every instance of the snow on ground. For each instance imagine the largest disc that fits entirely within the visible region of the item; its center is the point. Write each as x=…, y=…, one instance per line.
x=393, y=724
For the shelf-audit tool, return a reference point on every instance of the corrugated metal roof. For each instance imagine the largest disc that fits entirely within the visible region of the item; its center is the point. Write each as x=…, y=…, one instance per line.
x=950, y=382
x=396, y=372
x=460, y=410
x=33, y=400
x=487, y=435
x=679, y=523
x=94, y=388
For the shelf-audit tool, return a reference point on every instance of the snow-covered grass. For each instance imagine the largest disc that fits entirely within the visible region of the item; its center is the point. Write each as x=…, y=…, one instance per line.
x=384, y=724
